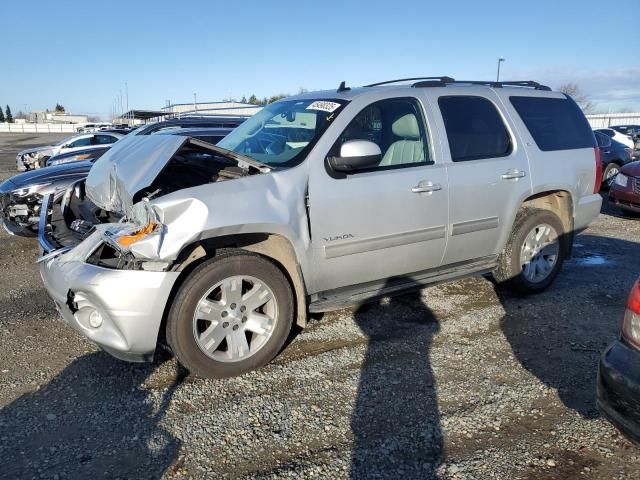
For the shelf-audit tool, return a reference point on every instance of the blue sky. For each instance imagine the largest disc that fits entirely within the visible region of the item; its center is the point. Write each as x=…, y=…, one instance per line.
x=81, y=53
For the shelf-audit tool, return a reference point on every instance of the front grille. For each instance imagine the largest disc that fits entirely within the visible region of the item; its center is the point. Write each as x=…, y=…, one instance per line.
x=636, y=184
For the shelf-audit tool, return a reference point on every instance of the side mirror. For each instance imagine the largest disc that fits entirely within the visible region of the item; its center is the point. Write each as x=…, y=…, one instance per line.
x=603, y=141
x=356, y=155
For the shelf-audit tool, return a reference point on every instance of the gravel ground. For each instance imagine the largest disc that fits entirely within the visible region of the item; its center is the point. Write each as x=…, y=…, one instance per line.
x=457, y=381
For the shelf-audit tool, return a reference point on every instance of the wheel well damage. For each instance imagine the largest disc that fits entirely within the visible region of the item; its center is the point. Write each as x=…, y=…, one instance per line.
x=274, y=247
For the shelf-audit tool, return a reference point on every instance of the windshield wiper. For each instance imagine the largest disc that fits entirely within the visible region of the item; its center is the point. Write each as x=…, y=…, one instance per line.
x=263, y=167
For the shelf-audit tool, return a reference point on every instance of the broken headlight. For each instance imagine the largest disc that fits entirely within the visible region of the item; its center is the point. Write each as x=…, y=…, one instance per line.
x=30, y=190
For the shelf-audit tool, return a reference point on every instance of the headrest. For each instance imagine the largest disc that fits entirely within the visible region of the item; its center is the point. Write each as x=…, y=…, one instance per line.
x=406, y=127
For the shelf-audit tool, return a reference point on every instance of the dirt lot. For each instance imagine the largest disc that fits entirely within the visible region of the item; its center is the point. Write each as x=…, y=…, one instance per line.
x=461, y=380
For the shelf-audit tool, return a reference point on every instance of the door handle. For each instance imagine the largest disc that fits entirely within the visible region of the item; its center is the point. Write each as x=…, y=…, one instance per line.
x=426, y=187
x=513, y=174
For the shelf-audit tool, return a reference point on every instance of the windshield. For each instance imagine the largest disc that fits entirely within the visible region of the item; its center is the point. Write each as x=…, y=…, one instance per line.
x=282, y=133
x=66, y=140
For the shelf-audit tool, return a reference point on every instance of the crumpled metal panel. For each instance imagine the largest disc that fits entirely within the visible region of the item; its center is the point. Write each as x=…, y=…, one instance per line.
x=129, y=166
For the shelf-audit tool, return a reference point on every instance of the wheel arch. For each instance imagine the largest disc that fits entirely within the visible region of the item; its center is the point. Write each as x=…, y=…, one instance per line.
x=274, y=247
x=559, y=202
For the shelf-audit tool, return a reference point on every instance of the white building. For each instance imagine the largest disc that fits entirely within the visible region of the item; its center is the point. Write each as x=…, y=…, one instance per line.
x=56, y=117
x=212, y=108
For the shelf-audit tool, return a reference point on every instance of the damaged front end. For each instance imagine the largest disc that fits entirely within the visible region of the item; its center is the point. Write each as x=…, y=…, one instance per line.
x=33, y=159
x=117, y=201
x=20, y=207
x=108, y=264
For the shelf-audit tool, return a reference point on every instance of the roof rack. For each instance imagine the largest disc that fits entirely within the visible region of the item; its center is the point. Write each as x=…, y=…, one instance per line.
x=441, y=80
x=508, y=83
x=444, y=81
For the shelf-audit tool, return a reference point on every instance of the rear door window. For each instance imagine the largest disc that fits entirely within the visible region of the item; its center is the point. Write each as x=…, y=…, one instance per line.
x=554, y=123
x=474, y=128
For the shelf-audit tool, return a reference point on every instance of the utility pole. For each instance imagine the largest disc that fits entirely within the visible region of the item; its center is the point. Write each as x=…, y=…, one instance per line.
x=500, y=60
x=126, y=88
x=195, y=102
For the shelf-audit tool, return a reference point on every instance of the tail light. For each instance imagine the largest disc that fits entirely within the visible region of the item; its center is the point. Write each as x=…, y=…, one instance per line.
x=598, y=182
x=629, y=152
x=631, y=320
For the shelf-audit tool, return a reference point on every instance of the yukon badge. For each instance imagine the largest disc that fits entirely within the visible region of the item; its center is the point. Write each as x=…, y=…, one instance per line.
x=338, y=237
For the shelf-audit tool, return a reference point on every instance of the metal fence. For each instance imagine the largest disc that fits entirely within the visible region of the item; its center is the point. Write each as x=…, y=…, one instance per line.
x=602, y=120
x=38, y=128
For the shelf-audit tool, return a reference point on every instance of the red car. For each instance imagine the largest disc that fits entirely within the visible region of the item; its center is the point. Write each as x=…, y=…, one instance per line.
x=625, y=188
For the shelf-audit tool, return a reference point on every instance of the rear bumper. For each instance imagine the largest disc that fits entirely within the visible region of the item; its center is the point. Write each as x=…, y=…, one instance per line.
x=619, y=388
x=586, y=211
x=131, y=303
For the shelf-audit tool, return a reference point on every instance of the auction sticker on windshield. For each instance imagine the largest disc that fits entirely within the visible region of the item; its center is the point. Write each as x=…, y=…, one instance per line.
x=324, y=106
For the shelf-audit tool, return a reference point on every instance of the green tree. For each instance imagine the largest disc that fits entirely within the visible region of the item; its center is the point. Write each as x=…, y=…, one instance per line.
x=253, y=100
x=275, y=98
x=1, y=115
x=243, y=99
x=8, y=115
x=59, y=108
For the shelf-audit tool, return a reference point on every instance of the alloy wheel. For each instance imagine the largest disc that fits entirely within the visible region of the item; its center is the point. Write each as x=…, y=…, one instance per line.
x=235, y=318
x=539, y=253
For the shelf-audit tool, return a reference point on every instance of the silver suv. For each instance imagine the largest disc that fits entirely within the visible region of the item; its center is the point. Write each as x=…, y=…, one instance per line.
x=317, y=202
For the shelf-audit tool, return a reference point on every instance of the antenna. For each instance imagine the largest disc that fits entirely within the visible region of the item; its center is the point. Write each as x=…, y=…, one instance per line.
x=343, y=87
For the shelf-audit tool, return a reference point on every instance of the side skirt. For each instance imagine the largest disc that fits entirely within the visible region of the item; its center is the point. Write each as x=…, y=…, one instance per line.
x=358, y=294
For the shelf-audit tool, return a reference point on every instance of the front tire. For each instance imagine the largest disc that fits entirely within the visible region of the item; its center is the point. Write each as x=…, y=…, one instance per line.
x=609, y=175
x=231, y=315
x=534, y=252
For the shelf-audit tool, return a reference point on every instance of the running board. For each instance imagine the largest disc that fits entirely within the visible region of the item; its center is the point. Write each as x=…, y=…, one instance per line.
x=358, y=294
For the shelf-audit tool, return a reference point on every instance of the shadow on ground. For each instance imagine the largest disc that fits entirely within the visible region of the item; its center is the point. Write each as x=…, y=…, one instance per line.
x=395, y=423
x=72, y=429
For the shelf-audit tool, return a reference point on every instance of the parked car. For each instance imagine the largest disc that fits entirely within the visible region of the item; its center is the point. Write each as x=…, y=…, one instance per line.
x=625, y=189
x=21, y=195
x=33, y=158
x=617, y=136
x=77, y=155
x=317, y=202
x=632, y=131
x=190, y=122
x=613, y=156
x=619, y=373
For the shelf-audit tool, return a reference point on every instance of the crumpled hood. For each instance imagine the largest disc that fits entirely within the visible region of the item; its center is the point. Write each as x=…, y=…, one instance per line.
x=51, y=174
x=632, y=169
x=131, y=165
x=36, y=149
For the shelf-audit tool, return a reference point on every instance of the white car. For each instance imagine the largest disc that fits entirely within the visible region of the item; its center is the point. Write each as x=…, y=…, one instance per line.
x=617, y=136
x=36, y=157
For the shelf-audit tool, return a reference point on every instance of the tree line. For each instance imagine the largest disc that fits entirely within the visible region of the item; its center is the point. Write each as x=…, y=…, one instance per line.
x=6, y=116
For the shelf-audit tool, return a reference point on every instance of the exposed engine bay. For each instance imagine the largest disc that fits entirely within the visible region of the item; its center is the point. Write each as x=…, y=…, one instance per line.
x=73, y=215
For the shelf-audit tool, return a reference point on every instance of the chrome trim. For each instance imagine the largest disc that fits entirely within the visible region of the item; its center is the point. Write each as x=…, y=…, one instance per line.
x=386, y=241
x=52, y=254
x=461, y=228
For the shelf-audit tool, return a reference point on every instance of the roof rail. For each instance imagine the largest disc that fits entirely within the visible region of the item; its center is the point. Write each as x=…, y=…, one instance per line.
x=441, y=80
x=507, y=83
x=444, y=81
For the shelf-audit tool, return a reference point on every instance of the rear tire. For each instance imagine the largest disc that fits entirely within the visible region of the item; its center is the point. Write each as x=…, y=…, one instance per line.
x=231, y=315
x=534, y=252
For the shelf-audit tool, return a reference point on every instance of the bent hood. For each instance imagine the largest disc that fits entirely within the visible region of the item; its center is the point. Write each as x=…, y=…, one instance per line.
x=131, y=165
x=51, y=174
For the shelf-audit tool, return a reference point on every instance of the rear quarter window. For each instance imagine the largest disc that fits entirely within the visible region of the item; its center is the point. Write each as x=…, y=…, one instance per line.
x=554, y=123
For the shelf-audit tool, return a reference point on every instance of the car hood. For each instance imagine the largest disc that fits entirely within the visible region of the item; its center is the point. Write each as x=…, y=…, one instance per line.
x=632, y=169
x=128, y=167
x=36, y=149
x=50, y=174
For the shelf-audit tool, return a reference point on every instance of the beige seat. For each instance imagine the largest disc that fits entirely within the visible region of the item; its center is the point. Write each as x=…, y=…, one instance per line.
x=410, y=148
